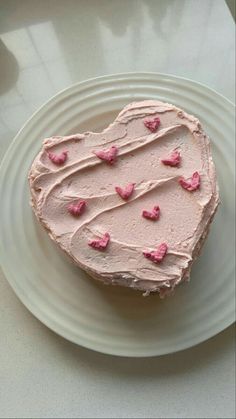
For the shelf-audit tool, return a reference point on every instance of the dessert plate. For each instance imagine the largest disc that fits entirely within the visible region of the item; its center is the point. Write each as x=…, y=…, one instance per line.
x=108, y=319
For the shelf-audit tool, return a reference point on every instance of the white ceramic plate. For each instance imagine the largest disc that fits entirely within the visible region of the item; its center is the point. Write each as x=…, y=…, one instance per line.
x=114, y=320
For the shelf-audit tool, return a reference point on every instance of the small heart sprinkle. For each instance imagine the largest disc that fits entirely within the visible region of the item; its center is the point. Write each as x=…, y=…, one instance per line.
x=77, y=208
x=58, y=158
x=126, y=192
x=154, y=214
x=108, y=155
x=100, y=244
x=173, y=160
x=152, y=124
x=157, y=255
x=192, y=183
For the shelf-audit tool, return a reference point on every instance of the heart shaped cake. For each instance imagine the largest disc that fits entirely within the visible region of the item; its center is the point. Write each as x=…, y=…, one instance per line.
x=131, y=205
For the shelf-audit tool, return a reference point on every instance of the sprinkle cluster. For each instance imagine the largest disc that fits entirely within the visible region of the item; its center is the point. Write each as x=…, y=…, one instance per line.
x=76, y=209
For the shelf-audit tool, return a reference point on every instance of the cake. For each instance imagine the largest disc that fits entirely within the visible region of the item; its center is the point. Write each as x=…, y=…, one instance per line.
x=131, y=205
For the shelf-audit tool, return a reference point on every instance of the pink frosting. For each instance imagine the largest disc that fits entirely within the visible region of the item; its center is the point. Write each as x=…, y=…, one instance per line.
x=185, y=218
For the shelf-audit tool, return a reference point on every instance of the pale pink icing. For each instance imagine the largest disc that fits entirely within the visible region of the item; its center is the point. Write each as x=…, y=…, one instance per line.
x=185, y=219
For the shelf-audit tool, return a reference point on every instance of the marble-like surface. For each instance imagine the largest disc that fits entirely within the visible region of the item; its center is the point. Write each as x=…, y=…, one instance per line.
x=45, y=46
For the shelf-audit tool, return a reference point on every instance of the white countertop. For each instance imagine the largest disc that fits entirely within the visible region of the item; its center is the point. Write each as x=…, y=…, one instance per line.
x=45, y=46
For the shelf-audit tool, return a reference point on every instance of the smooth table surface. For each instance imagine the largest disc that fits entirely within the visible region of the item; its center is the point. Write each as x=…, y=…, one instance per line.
x=45, y=46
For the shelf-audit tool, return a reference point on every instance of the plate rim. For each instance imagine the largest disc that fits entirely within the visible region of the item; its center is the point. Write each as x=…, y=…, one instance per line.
x=105, y=76
x=44, y=319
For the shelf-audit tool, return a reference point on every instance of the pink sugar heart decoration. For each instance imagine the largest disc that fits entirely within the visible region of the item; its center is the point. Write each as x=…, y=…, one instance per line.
x=152, y=124
x=126, y=192
x=191, y=184
x=58, y=158
x=153, y=215
x=157, y=255
x=100, y=244
x=172, y=160
x=77, y=208
x=108, y=155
